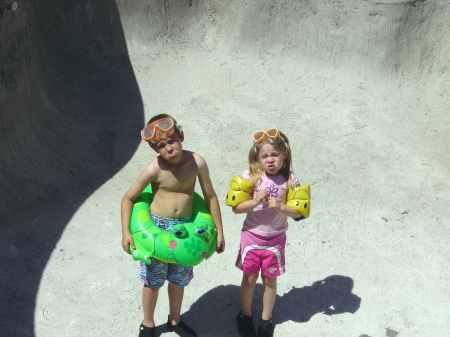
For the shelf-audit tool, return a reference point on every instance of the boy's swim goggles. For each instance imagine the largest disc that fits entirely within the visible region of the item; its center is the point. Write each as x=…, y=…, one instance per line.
x=152, y=132
x=271, y=133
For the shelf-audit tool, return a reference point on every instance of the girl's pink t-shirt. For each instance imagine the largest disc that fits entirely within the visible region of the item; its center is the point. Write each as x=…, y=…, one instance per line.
x=265, y=221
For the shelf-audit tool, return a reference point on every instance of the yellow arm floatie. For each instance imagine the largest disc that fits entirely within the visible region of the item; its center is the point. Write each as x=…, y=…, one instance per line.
x=240, y=191
x=298, y=197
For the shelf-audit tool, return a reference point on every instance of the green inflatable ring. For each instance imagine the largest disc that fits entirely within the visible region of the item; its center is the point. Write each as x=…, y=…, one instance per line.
x=187, y=244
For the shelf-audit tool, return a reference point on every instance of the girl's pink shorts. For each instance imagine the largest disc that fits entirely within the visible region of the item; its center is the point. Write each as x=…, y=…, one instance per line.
x=262, y=253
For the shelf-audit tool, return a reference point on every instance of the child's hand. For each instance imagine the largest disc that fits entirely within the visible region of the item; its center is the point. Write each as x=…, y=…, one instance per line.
x=274, y=203
x=220, y=244
x=260, y=196
x=127, y=241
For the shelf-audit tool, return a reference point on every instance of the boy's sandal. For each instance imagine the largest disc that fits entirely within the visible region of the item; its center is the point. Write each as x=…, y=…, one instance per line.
x=145, y=331
x=181, y=329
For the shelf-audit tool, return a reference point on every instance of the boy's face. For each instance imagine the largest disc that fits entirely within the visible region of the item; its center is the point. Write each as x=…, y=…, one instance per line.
x=170, y=148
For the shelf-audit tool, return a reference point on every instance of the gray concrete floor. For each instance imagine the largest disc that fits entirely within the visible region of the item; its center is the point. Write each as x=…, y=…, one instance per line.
x=361, y=88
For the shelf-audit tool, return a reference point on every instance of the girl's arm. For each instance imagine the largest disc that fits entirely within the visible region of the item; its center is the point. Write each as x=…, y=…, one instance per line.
x=211, y=200
x=282, y=208
x=249, y=205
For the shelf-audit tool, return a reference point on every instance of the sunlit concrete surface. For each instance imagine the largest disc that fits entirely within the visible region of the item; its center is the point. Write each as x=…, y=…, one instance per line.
x=361, y=88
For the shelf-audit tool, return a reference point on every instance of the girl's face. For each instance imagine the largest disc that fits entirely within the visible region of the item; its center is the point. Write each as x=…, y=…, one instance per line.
x=271, y=159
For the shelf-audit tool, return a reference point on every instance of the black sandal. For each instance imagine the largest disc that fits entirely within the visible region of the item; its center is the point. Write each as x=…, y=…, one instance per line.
x=266, y=328
x=181, y=329
x=245, y=325
x=145, y=331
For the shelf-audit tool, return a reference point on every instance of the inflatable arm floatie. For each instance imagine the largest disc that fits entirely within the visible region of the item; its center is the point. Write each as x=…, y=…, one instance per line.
x=298, y=197
x=187, y=244
x=240, y=191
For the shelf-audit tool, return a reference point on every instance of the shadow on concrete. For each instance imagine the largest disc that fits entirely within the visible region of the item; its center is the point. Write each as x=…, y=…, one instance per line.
x=69, y=110
x=214, y=313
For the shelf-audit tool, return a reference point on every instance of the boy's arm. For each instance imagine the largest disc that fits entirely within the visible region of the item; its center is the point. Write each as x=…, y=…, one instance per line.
x=211, y=200
x=144, y=179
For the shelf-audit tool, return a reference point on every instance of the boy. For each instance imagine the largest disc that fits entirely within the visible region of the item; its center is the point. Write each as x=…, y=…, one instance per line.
x=173, y=176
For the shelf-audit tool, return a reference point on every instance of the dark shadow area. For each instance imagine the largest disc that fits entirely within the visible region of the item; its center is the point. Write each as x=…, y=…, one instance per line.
x=330, y=296
x=69, y=110
x=214, y=313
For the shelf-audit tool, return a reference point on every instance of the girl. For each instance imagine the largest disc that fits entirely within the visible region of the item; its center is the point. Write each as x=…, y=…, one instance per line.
x=263, y=234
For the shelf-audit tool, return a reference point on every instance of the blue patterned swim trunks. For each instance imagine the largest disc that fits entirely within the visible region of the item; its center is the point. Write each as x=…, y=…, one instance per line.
x=155, y=274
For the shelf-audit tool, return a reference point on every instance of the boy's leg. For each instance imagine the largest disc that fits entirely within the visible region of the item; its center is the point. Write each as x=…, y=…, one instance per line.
x=246, y=292
x=174, y=322
x=149, y=299
x=175, y=301
x=179, y=277
x=269, y=296
x=153, y=276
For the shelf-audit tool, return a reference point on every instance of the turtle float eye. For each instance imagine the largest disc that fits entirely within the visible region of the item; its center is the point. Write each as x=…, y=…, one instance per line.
x=199, y=231
x=179, y=231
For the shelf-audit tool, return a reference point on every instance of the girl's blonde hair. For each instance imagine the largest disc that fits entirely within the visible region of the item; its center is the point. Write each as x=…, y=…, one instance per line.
x=281, y=143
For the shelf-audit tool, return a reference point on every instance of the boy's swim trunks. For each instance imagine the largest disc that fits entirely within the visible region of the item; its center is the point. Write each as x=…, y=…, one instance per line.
x=155, y=274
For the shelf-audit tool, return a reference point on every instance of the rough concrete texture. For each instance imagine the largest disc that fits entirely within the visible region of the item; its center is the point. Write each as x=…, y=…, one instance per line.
x=360, y=87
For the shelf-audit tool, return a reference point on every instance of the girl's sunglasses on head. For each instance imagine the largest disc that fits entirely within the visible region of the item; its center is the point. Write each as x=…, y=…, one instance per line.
x=271, y=133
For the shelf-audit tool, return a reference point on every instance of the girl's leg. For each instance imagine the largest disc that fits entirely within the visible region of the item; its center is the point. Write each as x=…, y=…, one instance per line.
x=247, y=291
x=149, y=299
x=269, y=296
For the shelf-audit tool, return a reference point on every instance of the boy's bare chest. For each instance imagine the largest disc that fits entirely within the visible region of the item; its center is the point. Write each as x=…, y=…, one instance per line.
x=180, y=179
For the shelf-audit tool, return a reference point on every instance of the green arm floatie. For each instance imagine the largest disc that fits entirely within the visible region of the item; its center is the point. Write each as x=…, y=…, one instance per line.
x=298, y=197
x=240, y=191
x=187, y=244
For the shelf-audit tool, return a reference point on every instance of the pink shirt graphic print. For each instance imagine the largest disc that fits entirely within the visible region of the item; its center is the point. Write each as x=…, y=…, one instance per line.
x=265, y=221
